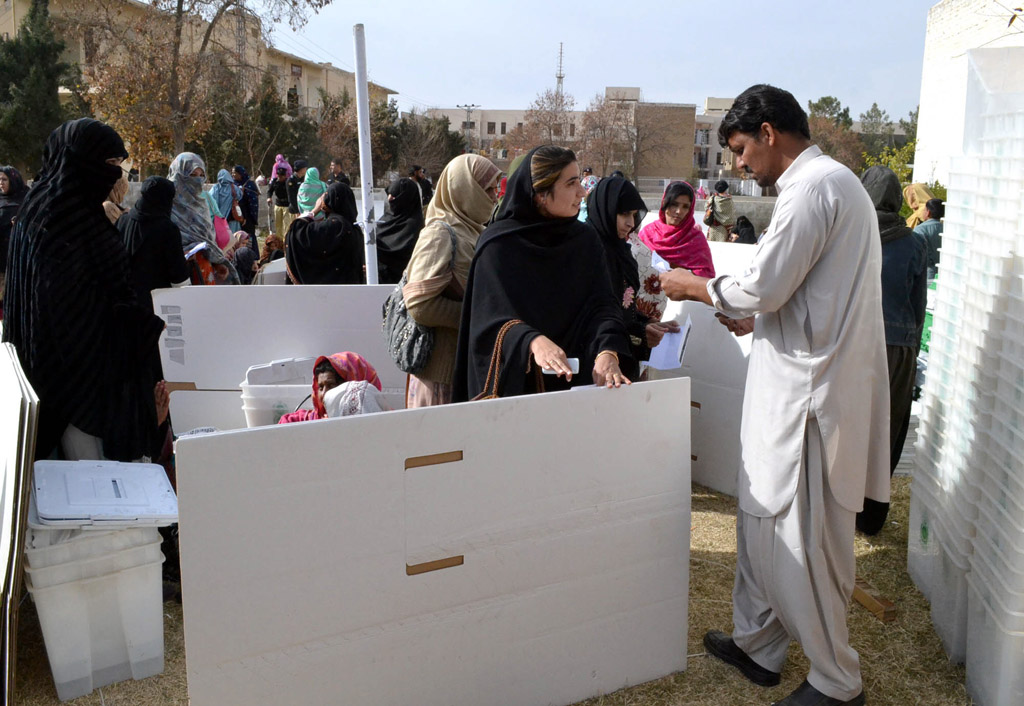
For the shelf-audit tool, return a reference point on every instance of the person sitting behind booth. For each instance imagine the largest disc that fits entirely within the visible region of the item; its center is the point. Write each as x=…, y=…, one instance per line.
x=328, y=373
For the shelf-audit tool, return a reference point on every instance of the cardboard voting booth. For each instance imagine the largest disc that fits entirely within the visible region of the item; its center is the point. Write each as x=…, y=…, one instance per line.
x=528, y=550
x=205, y=355
x=716, y=363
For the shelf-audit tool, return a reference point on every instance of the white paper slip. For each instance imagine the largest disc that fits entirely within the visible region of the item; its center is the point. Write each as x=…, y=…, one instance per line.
x=668, y=355
x=574, y=366
x=659, y=263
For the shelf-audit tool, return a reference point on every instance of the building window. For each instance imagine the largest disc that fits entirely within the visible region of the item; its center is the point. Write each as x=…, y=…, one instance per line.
x=293, y=99
x=297, y=70
x=718, y=158
x=557, y=130
x=491, y=128
x=503, y=128
x=519, y=126
x=471, y=125
x=572, y=129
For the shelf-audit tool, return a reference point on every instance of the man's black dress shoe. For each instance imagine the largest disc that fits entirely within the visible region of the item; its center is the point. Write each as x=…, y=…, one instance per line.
x=807, y=695
x=720, y=645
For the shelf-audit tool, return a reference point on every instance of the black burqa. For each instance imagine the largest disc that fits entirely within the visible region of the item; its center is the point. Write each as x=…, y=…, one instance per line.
x=328, y=251
x=81, y=335
x=551, y=274
x=612, y=196
x=9, y=205
x=399, y=229
x=153, y=241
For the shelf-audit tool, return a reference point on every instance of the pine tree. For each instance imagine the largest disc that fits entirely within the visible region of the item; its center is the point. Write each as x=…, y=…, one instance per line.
x=30, y=107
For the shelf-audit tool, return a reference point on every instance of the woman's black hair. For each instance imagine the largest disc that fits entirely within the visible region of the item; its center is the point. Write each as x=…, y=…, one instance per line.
x=674, y=191
x=935, y=208
x=324, y=367
x=721, y=186
x=763, y=104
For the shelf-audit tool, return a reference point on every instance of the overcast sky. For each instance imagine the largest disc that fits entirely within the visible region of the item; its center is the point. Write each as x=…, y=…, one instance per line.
x=440, y=53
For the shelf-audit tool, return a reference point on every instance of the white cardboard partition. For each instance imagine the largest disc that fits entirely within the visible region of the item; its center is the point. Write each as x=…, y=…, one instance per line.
x=716, y=362
x=307, y=553
x=214, y=334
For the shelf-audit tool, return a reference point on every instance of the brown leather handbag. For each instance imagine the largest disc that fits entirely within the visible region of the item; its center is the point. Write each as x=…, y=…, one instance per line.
x=490, y=391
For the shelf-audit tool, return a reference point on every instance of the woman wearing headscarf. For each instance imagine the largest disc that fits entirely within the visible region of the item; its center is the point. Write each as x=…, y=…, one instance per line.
x=12, y=192
x=743, y=232
x=328, y=373
x=589, y=183
x=190, y=211
x=538, y=291
x=329, y=251
x=81, y=335
x=917, y=197
x=463, y=200
x=675, y=236
x=281, y=163
x=723, y=213
x=112, y=206
x=225, y=193
x=311, y=190
x=615, y=211
x=153, y=241
x=904, y=290
x=398, y=230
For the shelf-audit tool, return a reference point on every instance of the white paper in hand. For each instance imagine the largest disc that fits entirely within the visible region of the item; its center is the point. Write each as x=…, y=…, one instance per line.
x=668, y=355
x=659, y=263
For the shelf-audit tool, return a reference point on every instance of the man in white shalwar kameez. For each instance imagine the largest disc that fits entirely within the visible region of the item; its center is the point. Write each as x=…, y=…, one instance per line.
x=815, y=410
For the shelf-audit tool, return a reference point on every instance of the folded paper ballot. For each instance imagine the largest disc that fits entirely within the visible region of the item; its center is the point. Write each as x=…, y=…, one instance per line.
x=668, y=355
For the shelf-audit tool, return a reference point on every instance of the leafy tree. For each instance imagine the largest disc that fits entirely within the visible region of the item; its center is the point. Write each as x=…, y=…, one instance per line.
x=30, y=75
x=840, y=143
x=831, y=108
x=429, y=142
x=909, y=126
x=898, y=159
x=876, y=130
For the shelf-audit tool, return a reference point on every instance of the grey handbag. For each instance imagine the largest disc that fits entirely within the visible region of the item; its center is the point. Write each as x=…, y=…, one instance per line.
x=409, y=343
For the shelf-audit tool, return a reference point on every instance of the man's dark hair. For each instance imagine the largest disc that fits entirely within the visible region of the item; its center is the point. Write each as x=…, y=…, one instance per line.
x=763, y=104
x=413, y=169
x=337, y=160
x=935, y=208
x=721, y=186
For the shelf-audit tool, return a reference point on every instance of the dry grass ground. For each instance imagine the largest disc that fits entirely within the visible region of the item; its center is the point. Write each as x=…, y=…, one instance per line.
x=903, y=661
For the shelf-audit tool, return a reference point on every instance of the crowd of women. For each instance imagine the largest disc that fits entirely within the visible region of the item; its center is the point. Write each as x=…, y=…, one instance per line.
x=521, y=296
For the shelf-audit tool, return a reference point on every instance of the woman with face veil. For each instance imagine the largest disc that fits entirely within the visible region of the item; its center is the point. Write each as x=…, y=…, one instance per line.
x=538, y=291
x=81, y=335
x=398, y=230
x=615, y=210
x=328, y=251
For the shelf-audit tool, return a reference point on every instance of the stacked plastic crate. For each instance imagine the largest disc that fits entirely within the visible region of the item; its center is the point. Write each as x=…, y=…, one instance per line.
x=966, y=544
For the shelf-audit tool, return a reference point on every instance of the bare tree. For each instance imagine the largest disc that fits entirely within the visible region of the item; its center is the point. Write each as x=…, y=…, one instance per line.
x=158, y=58
x=605, y=139
x=550, y=114
x=428, y=142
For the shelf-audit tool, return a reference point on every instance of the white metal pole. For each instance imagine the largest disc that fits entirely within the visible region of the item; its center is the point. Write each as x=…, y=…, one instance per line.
x=365, y=161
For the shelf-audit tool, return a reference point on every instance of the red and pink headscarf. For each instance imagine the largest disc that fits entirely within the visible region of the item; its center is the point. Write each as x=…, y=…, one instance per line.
x=349, y=367
x=682, y=245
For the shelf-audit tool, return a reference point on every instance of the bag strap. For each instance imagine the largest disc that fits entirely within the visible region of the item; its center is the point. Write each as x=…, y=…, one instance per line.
x=455, y=244
x=490, y=390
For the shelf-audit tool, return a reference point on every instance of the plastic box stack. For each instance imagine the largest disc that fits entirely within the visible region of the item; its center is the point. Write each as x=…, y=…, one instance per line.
x=274, y=389
x=966, y=535
x=94, y=570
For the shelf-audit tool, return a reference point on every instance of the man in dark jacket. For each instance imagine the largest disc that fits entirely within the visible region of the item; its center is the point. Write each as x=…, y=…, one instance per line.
x=337, y=174
x=277, y=199
x=294, y=183
x=904, y=290
x=419, y=175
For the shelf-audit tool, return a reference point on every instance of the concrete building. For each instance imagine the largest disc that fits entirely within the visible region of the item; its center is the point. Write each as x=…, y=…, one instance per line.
x=238, y=36
x=954, y=27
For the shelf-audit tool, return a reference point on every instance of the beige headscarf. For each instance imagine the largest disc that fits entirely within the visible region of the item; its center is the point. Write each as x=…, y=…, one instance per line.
x=917, y=196
x=460, y=202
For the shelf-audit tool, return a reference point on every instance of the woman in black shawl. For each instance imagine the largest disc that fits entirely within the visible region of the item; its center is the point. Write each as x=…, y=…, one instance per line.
x=537, y=264
x=12, y=193
x=328, y=251
x=398, y=230
x=153, y=241
x=81, y=336
x=615, y=210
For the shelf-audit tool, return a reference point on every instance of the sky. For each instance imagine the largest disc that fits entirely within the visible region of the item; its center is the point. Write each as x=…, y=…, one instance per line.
x=442, y=53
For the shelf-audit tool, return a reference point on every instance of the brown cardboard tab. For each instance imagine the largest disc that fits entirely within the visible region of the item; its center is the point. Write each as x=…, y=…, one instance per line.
x=176, y=386
x=695, y=405
x=869, y=597
x=434, y=565
x=432, y=459
x=692, y=457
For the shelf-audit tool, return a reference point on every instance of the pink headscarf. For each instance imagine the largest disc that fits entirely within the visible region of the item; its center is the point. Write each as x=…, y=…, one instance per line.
x=349, y=367
x=683, y=245
x=280, y=161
